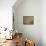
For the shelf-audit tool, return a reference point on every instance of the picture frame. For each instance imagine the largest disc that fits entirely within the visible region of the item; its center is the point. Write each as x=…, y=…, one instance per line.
x=28, y=20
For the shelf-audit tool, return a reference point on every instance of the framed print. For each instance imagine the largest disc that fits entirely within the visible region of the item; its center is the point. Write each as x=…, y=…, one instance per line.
x=28, y=20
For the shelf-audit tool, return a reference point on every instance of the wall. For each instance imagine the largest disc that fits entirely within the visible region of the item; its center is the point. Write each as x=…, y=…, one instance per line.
x=43, y=22
x=6, y=13
x=29, y=8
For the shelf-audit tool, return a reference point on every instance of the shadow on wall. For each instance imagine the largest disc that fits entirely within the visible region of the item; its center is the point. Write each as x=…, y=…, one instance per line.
x=28, y=8
x=37, y=41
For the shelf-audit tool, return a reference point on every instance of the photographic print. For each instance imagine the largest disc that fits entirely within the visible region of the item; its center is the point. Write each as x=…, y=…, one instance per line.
x=28, y=20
